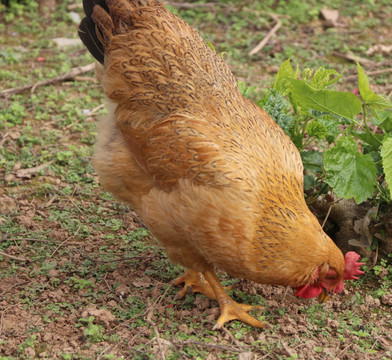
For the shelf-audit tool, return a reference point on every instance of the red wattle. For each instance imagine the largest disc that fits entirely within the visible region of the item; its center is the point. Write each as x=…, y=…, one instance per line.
x=308, y=291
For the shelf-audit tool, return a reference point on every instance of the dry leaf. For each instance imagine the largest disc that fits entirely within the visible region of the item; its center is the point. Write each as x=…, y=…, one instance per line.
x=361, y=227
x=330, y=16
x=379, y=49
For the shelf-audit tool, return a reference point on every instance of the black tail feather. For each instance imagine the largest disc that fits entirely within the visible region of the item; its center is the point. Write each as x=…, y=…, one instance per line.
x=88, y=31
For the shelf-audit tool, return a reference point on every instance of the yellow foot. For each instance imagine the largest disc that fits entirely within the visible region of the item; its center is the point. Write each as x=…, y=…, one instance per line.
x=230, y=310
x=234, y=311
x=196, y=281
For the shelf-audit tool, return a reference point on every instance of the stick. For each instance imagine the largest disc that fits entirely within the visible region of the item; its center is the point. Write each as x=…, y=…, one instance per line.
x=191, y=6
x=68, y=76
x=268, y=36
x=13, y=257
x=12, y=286
x=326, y=216
x=377, y=72
x=58, y=247
x=93, y=111
x=47, y=241
x=285, y=348
x=210, y=345
x=349, y=57
x=155, y=327
x=286, y=290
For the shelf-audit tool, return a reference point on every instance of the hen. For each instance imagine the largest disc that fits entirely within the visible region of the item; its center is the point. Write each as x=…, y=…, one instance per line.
x=212, y=176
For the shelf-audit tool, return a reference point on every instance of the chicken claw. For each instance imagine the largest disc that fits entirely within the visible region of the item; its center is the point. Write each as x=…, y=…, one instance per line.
x=230, y=310
x=196, y=281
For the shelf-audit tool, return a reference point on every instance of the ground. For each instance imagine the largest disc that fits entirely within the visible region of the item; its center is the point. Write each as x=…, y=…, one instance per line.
x=80, y=276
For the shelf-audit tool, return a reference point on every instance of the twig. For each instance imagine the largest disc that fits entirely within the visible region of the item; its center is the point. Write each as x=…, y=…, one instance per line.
x=1, y=321
x=268, y=36
x=93, y=111
x=12, y=286
x=344, y=351
x=288, y=351
x=350, y=57
x=46, y=241
x=327, y=216
x=286, y=290
x=214, y=346
x=107, y=284
x=234, y=340
x=161, y=297
x=12, y=257
x=191, y=6
x=69, y=198
x=125, y=258
x=58, y=247
x=377, y=72
x=85, y=78
x=155, y=327
x=50, y=202
x=68, y=76
x=103, y=351
x=41, y=213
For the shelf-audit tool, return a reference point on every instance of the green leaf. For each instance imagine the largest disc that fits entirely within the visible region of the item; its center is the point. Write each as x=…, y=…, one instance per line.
x=385, y=120
x=211, y=46
x=334, y=102
x=312, y=160
x=246, y=91
x=368, y=139
x=309, y=182
x=374, y=101
x=386, y=154
x=316, y=129
x=285, y=72
x=331, y=123
x=350, y=173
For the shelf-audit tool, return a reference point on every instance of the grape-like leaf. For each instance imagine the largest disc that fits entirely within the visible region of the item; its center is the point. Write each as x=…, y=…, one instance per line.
x=374, y=101
x=334, y=102
x=350, y=173
x=312, y=160
x=386, y=153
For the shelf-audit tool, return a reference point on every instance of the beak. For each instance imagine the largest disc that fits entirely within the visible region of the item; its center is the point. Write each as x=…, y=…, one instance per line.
x=324, y=296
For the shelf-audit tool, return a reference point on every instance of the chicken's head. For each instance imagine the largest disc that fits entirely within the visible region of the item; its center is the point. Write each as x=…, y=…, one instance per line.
x=330, y=281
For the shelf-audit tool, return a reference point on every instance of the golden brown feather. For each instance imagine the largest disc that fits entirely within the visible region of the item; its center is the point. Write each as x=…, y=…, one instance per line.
x=211, y=174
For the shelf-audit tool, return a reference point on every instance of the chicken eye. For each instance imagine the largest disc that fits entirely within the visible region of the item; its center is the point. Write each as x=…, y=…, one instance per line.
x=331, y=277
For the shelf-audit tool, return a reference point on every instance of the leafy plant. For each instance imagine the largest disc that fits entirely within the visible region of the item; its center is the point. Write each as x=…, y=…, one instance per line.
x=94, y=332
x=78, y=283
x=356, y=160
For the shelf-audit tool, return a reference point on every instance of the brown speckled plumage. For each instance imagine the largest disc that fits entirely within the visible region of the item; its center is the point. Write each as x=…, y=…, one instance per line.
x=210, y=173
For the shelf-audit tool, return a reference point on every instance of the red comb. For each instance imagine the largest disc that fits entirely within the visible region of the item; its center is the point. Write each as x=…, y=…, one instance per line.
x=351, y=272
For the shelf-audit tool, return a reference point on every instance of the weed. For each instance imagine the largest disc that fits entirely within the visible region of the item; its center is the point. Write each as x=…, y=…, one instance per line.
x=94, y=332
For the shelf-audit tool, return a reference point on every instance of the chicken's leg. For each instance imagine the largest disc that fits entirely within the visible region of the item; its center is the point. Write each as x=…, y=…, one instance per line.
x=195, y=280
x=230, y=310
